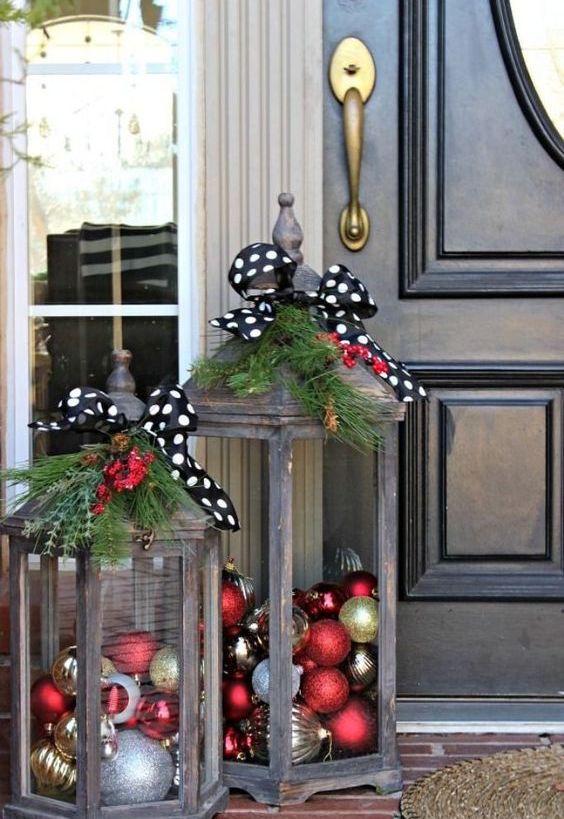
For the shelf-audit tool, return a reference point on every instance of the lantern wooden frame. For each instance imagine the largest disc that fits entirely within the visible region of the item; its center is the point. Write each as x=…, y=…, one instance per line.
x=277, y=419
x=191, y=542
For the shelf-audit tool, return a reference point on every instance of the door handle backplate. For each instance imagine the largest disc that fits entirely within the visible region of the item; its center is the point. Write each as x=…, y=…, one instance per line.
x=352, y=75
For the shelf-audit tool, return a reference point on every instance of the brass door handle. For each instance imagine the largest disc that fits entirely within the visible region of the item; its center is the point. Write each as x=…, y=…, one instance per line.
x=352, y=75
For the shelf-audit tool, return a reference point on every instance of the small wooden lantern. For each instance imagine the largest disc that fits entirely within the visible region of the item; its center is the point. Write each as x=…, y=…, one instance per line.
x=116, y=706
x=292, y=750
x=139, y=642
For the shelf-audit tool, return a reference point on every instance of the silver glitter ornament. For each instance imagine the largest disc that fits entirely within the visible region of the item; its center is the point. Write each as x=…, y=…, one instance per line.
x=142, y=771
x=261, y=680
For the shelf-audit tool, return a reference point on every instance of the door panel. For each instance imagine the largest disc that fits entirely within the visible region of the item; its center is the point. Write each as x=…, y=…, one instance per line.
x=466, y=262
x=481, y=198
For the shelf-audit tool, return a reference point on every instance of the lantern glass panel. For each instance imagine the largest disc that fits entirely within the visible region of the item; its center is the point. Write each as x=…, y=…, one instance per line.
x=141, y=636
x=333, y=662
x=53, y=729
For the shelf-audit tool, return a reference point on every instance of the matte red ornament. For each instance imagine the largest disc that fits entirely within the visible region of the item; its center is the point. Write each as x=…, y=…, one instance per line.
x=233, y=604
x=329, y=642
x=238, y=699
x=324, y=600
x=354, y=727
x=234, y=744
x=47, y=703
x=304, y=661
x=325, y=689
x=361, y=584
x=132, y=651
x=158, y=714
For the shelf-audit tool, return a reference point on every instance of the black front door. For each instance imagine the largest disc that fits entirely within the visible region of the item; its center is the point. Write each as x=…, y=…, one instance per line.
x=462, y=179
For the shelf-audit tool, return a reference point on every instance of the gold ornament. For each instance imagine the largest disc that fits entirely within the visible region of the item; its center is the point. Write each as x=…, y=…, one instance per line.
x=50, y=767
x=107, y=667
x=64, y=671
x=359, y=615
x=308, y=734
x=164, y=669
x=245, y=584
x=241, y=652
x=361, y=666
x=257, y=622
x=65, y=735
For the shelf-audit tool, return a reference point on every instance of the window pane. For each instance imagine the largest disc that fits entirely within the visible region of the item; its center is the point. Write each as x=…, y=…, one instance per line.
x=72, y=352
x=101, y=101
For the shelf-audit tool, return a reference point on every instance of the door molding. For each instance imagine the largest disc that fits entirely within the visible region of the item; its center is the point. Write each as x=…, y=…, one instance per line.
x=432, y=263
x=522, y=84
x=431, y=569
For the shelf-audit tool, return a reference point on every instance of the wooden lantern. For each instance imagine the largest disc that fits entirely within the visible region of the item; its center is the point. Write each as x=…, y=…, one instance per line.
x=116, y=706
x=293, y=751
x=139, y=643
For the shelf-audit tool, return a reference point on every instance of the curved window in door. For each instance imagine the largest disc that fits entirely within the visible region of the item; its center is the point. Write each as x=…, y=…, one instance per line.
x=101, y=96
x=531, y=37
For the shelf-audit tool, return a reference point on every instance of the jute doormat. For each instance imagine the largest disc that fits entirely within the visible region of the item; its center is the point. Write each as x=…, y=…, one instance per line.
x=525, y=784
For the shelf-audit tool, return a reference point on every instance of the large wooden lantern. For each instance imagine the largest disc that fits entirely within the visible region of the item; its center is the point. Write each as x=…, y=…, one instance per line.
x=309, y=661
x=116, y=707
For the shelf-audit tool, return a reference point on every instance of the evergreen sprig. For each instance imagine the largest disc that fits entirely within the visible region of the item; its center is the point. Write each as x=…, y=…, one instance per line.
x=64, y=487
x=294, y=352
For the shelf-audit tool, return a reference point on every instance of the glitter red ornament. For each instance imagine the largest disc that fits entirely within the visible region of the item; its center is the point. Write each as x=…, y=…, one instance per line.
x=238, y=701
x=329, y=642
x=234, y=743
x=354, y=727
x=304, y=661
x=47, y=703
x=131, y=652
x=158, y=714
x=233, y=604
x=324, y=600
x=325, y=689
x=361, y=584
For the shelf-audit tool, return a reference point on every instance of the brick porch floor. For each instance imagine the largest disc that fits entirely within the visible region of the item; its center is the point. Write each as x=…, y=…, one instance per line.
x=420, y=754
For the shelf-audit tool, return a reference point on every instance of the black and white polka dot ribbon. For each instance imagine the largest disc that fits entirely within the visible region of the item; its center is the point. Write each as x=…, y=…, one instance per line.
x=263, y=275
x=168, y=417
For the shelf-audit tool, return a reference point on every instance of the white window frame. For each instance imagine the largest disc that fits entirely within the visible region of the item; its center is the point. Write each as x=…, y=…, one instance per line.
x=18, y=309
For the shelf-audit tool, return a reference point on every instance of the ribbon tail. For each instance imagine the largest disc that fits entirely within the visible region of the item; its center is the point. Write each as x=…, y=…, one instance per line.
x=404, y=384
x=209, y=496
x=85, y=409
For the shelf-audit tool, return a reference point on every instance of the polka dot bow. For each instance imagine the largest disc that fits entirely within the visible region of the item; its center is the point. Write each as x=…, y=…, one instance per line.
x=263, y=274
x=168, y=417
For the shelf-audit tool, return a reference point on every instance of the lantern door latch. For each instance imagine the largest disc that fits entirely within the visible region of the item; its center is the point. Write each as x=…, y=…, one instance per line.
x=352, y=75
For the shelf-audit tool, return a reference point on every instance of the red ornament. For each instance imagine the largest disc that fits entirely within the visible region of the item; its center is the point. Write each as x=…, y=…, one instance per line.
x=304, y=661
x=324, y=600
x=131, y=652
x=299, y=598
x=361, y=584
x=47, y=703
x=354, y=728
x=325, y=689
x=329, y=642
x=234, y=743
x=238, y=699
x=233, y=604
x=158, y=714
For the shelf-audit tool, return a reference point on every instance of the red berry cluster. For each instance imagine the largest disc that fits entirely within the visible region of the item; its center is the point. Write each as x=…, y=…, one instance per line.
x=352, y=352
x=122, y=474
